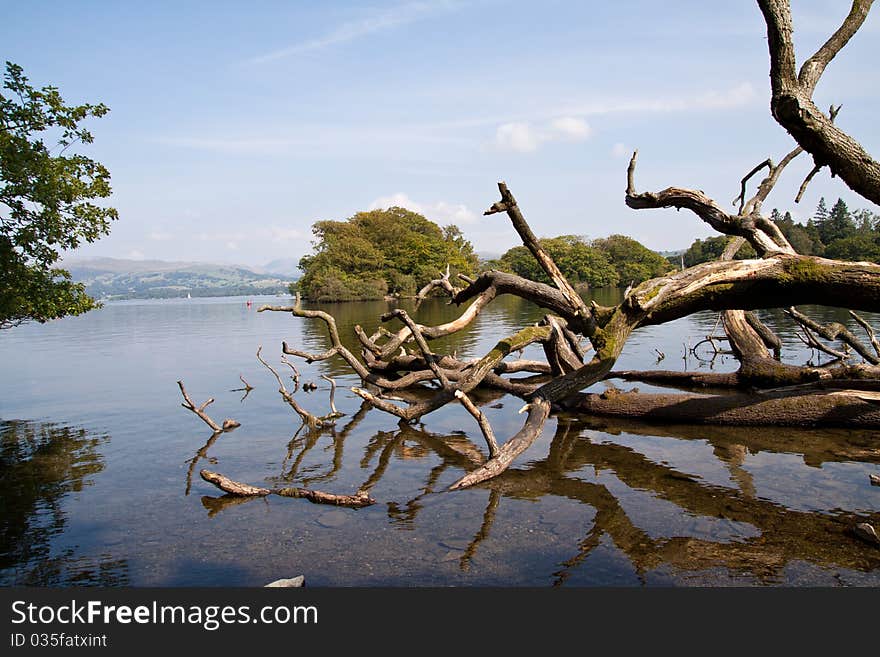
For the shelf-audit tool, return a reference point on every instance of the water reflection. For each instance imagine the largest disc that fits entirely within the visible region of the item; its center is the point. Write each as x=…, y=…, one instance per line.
x=40, y=466
x=726, y=514
x=722, y=486
x=590, y=503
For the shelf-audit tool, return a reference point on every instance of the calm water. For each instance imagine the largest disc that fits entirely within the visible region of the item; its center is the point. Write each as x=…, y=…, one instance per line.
x=99, y=469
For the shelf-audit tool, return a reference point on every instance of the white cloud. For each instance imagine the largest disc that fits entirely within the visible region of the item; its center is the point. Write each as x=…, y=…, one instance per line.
x=446, y=213
x=517, y=137
x=399, y=200
x=741, y=94
x=134, y=254
x=232, y=240
x=571, y=128
x=440, y=212
x=736, y=96
x=378, y=22
x=160, y=236
x=521, y=137
x=619, y=150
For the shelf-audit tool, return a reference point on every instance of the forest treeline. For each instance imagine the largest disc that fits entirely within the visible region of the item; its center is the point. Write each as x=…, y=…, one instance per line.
x=611, y=261
x=397, y=251
x=838, y=233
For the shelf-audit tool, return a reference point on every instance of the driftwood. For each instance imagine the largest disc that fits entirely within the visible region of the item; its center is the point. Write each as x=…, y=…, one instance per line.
x=189, y=404
x=313, y=421
x=793, y=408
x=238, y=489
x=396, y=367
x=247, y=386
x=441, y=283
x=779, y=276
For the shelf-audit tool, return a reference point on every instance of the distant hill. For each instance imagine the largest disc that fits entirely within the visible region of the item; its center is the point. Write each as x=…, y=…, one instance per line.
x=114, y=278
x=485, y=256
x=287, y=267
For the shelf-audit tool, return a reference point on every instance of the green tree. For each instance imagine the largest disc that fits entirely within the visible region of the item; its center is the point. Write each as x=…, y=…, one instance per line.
x=46, y=196
x=857, y=247
x=633, y=261
x=711, y=248
x=378, y=252
x=866, y=222
x=821, y=214
x=802, y=239
x=839, y=224
x=583, y=265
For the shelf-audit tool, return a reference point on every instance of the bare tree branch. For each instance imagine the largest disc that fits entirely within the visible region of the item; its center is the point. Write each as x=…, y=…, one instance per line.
x=481, y=419
x=313, y=421
x=759, y=232
x=508, y=204
x=238, y=489
x=834, y=331
x=793, y=106
x=200, y=411
x=869, y=330
x=813, y=68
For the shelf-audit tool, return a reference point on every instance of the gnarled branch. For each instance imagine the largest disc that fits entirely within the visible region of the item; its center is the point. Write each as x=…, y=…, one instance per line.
x=200, y=411
x=792, y=104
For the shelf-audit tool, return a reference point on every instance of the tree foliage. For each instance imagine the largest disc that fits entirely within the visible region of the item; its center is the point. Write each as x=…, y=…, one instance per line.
x=378, y=252
x=836, y=233
x=614, y=260
x=633, y=261
x=711, y=248
x=46, y=200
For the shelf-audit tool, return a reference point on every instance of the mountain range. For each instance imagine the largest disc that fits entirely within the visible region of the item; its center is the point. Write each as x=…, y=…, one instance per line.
x=116, y=278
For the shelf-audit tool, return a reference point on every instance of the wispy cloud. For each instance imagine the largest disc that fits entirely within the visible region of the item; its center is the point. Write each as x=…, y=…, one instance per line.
x=314, y=139
x=522, y=133
x=349, y=31
x=522, y=137
x=440, y=212
x=736, y=96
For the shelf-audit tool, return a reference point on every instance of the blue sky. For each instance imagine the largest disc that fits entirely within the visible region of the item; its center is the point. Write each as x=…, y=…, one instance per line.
x=234, y=126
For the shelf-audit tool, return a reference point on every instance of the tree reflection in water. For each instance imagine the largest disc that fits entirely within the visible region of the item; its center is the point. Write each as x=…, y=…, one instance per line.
x=40, y=465
x=770, y=536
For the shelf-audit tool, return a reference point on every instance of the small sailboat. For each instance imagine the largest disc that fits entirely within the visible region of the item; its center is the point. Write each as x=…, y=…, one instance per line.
x=188, y=295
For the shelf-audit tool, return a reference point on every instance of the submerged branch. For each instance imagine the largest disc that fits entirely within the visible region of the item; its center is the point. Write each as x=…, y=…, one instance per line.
x=238, y=489
x=200, y=411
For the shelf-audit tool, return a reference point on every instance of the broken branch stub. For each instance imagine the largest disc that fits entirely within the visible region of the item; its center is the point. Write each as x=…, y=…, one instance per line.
x=188, y=404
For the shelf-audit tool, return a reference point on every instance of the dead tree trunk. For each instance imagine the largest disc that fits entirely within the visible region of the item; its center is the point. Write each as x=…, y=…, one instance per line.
x=792, y=102
x=778, y=277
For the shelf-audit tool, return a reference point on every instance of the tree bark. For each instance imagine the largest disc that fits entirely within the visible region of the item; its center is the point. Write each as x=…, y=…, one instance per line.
x=238, y=489
x=792, y=104
x=832, y=408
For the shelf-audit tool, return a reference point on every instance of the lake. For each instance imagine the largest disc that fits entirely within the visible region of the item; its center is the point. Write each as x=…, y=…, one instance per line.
x=99, y=482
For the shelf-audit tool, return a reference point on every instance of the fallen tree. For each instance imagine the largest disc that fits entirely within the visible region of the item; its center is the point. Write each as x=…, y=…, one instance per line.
x=400, y=366
x=779, y=277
